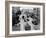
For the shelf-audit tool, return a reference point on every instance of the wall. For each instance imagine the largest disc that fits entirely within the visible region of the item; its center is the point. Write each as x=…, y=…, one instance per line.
x=2, y=19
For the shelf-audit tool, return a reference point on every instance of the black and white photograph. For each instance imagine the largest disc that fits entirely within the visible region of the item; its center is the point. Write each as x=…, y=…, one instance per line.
x=25, y=18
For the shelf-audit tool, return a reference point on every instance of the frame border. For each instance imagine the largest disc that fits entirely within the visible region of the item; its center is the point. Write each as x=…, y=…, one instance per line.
x=7, y=19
